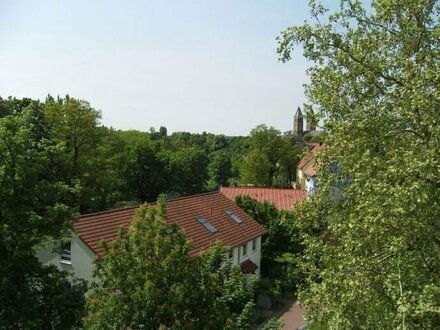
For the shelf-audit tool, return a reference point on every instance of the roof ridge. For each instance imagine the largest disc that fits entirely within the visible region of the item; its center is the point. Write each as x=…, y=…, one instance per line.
x=112, y=210
x=266, y=188
x=182, y=211
x=145, y=203
x=189, y=196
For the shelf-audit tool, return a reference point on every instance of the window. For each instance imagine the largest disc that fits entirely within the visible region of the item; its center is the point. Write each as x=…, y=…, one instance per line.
x=231, y=253
x=233, y=216
x=66, y=251
x=207, y=225
x=254, y=244
x=244, y=249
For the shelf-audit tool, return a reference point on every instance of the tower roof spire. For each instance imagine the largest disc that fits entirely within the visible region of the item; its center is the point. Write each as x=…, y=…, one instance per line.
x=298, y=113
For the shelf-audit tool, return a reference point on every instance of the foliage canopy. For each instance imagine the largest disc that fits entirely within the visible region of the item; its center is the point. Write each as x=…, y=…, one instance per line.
x=372, y=251
x=34, y=208
x=148, y=278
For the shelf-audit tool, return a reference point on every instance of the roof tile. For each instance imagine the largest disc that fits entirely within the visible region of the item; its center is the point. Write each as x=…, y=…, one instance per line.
x=283, y=199
x=95, y=227
x=310, y=155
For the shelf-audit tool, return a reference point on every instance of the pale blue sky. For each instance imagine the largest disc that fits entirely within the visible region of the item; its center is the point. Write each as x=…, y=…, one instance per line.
x=187, y=65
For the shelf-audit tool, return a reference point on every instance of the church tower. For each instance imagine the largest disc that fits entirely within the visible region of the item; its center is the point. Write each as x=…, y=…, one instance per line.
x=298, y=123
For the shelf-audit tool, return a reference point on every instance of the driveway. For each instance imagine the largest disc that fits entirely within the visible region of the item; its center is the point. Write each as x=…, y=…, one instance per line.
x=293, y=317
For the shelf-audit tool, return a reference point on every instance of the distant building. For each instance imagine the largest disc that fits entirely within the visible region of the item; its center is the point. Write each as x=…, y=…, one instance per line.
x=299, y=130
x=298, y=123
x=306, y=170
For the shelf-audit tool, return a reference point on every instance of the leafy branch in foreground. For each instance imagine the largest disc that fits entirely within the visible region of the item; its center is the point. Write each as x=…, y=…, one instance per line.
x=148, y=278
x=372, y=249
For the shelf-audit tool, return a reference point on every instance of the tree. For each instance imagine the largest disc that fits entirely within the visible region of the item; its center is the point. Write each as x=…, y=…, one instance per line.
x=74, y=122
x=147, y=278
x=281, y=246
x=33, y=209
x=270, y=159
x=219, y=169
x=144, y=171
x=371, y=232
x=187, y=170
x=13, y=106
x=106, y=185
x=255, y=170
x=219, y=142
x=274, y=324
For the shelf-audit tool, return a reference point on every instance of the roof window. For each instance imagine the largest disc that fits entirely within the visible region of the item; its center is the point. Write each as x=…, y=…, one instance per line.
x=207, y=225
x=233, y=216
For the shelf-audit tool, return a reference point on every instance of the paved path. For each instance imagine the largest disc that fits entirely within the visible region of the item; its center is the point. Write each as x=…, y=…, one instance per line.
x=293, y=317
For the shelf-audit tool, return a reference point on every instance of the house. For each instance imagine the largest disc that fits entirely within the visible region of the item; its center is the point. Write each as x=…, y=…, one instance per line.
x=283, y=199
x=306, y=170
x=204, y=218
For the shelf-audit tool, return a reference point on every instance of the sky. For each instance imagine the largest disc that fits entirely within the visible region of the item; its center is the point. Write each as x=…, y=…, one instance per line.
x=187, y=65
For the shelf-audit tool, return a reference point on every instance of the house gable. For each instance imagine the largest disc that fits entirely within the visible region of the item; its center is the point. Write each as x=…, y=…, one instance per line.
x=307, y=167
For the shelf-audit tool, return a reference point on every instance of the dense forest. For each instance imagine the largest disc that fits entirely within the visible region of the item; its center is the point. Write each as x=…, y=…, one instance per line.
x=114, y=168
x=57, y=160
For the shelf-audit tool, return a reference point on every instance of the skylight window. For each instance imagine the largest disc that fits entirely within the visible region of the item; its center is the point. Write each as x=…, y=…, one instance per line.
x=233, y=216
x=207, y=225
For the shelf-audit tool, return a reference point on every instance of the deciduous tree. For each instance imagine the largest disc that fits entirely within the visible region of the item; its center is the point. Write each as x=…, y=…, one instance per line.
x=219, y=169
x=281, y=246
x=270, y=160
x=372, y=250
x=187, y=170
x=74, y=122
x=147, y=278
x=33, y=209
x=144, y=171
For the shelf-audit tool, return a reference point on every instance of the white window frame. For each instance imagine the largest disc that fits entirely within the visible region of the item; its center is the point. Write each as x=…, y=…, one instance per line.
x=244, y=250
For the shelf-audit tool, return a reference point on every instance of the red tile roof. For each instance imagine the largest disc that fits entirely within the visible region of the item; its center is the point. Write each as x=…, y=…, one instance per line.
x=283, y=199
x=309, y=156
x=248, y=266
x=95, y=227
x=311, y=171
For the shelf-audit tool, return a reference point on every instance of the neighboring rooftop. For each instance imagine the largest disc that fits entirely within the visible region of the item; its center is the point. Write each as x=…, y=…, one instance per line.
x=187, y=213
x=310, y=155
x=283, y=199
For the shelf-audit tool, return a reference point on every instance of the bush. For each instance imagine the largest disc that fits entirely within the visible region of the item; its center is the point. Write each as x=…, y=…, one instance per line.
x=274, y=324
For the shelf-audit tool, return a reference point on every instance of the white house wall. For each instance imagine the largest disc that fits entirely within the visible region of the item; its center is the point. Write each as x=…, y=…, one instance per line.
x=254, y=256
x=311, y=185
x=82, y=258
